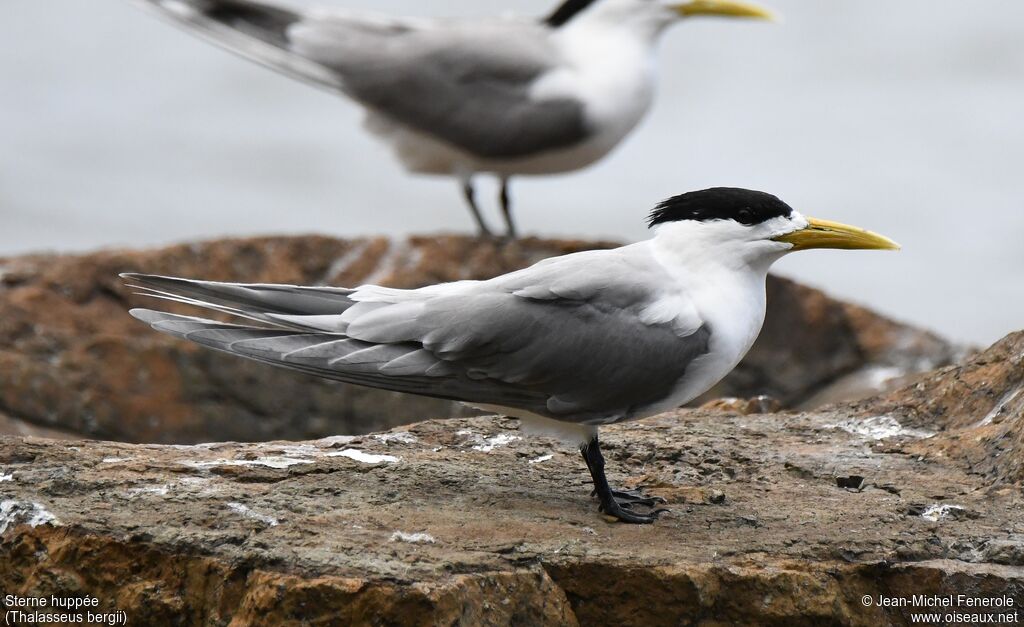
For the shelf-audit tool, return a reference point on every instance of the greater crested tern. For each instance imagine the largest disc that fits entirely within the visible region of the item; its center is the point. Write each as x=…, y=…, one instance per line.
x=457, y=97
x=568, y=344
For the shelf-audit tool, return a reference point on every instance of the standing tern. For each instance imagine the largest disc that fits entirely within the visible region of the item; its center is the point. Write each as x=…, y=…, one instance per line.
x=458, y=97
x=568, y=344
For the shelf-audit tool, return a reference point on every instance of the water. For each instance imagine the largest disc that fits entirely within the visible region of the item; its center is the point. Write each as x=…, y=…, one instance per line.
x=903, y=117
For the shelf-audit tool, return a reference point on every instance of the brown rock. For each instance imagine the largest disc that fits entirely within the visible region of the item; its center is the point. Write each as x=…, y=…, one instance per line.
x=976, y=407
x=71, y=358
x=13, y=426
x=756, y=405
x=464, y=521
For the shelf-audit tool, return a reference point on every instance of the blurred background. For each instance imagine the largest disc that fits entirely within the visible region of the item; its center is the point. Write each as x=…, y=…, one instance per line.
x=117, y=129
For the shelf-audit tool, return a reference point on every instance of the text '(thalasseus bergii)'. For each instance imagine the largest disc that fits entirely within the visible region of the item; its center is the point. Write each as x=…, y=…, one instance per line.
x=456, y=97
x=567, y=345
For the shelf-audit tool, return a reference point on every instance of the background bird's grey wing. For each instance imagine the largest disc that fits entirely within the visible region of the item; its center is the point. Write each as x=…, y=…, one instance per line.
x=466, y=83
x=553, y=339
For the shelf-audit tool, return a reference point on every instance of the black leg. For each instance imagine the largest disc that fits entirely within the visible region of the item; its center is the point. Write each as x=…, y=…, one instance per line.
x=506, y=210
x=470, y=194
x=615, y=502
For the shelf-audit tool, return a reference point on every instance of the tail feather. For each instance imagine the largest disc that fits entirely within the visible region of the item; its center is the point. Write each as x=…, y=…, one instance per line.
x=254, y=30
x=246, y=298
x=303, y=339
x=320, y=354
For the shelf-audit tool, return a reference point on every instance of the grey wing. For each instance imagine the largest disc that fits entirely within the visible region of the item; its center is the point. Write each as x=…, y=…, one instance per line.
x=584, y=332
x=465, y=83
x=591, y=356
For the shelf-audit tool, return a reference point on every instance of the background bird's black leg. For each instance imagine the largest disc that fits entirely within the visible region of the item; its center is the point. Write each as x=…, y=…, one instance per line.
x=470, y=193
x=617, y=507
x=506, y=210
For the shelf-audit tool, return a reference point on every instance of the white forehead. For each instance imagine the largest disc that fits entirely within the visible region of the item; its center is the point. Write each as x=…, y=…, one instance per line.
x=783, y=224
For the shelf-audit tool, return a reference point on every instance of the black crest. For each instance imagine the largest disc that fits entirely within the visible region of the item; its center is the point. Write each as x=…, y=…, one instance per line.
x=566, y=12
x=720, y=203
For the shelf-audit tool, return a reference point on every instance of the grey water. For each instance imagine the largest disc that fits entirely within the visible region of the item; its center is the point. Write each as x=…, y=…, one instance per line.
x=903, y=117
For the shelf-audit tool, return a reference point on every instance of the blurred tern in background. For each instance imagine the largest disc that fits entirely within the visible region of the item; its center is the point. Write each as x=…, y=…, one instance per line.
x=566, y=345
x=458, y=97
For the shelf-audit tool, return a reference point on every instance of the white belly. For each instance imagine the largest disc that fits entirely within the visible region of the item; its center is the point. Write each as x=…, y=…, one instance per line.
x=423, y=154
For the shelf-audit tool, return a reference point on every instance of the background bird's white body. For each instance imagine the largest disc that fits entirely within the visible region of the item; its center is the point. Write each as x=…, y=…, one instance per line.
x=611, y=69
x=605, y=63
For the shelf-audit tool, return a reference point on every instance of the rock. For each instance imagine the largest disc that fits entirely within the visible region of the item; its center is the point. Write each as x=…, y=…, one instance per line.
x=13, y=426
x=976, y=407
x=757, y=405
x=75, y=362
x=468, y=521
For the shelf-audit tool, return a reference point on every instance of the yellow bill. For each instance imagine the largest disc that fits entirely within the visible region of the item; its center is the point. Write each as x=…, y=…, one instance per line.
x=828, y=234
x=725, y=8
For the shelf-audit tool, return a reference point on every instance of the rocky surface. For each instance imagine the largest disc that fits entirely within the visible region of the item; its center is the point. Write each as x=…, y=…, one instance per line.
x=976, y=407
x=469, y=521
x=73, y=362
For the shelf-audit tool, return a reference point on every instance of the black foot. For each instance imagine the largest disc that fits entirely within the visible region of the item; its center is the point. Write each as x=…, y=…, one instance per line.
x=618, y=503
x=623, y=513
x=626, y=498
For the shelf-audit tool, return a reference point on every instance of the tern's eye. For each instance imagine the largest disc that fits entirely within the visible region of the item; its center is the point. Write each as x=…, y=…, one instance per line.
x=745, y=215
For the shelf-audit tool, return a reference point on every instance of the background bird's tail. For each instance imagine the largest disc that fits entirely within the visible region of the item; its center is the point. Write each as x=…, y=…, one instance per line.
x=253, y=30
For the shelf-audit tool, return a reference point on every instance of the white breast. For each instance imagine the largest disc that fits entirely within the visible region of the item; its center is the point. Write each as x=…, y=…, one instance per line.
x=613, y=74
x=728, y=300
